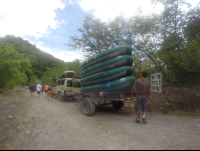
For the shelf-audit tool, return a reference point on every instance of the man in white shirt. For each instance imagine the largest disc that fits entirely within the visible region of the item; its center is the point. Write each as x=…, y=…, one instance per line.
x=38, y=89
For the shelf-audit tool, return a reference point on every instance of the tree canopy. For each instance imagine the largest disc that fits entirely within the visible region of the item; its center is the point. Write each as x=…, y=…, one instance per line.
x=164, y=42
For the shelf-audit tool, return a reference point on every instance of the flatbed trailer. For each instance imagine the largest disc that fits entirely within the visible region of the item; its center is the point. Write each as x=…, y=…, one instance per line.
x=90, y=100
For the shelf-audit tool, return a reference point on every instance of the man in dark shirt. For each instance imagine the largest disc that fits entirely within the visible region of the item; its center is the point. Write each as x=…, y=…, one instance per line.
x=142, y=95
x=31, y=88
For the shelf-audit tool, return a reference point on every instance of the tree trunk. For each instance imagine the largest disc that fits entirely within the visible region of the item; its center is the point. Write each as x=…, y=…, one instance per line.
x=191, y=74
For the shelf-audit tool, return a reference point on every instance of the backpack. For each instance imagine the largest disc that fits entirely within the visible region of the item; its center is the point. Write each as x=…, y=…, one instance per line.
x=49, y=88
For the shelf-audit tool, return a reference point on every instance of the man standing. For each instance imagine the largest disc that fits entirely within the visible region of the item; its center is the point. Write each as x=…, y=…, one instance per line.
x=42, y=89
x=31, y=88
x=142, y=95
x=38, y=88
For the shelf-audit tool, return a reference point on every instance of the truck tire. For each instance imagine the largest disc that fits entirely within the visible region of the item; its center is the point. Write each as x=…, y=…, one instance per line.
x=73, y=98
x=117, y=104
x=88, y=107
x=60, y=97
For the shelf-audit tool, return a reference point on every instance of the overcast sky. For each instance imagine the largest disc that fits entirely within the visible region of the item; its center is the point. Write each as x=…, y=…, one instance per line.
x=49, y=23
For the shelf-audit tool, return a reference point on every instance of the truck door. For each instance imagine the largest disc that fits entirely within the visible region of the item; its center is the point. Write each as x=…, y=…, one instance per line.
x=76, y=86
x=69, y=87
x=62, y=86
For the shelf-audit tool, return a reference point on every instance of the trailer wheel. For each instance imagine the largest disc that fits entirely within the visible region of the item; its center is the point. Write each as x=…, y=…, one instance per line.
x=88, y=107
x=60, y=97
x=117, y=104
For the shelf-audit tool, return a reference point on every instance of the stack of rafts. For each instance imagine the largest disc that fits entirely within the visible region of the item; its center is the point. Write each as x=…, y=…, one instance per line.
x=110, y=71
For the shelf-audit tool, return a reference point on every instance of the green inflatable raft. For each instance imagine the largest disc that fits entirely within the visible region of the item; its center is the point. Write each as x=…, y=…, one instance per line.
x=123, y=84
x=106, y=76
x=107, y=65
x=111, y=53
x=70, y=72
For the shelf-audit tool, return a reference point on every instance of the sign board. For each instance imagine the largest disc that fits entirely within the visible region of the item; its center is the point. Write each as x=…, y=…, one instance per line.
x=156, y=82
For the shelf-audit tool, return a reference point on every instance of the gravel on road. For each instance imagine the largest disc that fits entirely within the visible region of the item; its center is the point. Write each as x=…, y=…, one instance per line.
x=62, y=125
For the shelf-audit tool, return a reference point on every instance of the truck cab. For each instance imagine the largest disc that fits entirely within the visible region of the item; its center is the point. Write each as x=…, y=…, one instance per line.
x=66, y=88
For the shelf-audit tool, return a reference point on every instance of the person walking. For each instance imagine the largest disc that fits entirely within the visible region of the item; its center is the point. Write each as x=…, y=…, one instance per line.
x=31, y=89
x=38, y=88
x=46, y=87
x=49, y=92
x=142, y=96
x=42, y=89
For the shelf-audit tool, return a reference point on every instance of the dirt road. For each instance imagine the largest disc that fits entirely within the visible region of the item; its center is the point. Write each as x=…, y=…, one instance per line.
x=61, y=125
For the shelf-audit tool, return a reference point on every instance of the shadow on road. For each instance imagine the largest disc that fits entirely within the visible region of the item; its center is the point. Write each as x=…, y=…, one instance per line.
x=110, y=110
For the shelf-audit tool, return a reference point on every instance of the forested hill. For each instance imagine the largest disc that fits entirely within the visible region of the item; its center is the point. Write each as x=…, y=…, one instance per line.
x=38, y=59
x=22, y=62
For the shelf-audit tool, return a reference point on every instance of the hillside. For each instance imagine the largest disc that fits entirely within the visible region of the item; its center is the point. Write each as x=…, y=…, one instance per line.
x=38, y=59
x=22, y=62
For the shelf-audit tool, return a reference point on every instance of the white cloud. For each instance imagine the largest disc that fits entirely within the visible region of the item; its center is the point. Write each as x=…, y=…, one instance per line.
x=64, y=22
x=28, y=17
x=108, y=9
x=66, y=56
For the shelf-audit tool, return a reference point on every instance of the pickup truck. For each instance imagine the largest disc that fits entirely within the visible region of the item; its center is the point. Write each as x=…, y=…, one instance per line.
x=69, y=88
x=66, y=88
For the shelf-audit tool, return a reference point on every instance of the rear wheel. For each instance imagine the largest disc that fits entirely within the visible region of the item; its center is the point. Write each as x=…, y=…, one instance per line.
x=60, y=97
x=88, y=107
x=117, y=104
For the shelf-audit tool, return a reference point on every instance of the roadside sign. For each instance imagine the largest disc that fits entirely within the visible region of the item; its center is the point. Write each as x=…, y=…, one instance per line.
x=156, y=82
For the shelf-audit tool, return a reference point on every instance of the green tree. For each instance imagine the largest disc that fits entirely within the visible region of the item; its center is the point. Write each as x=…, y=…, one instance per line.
x=162, y=38
x=13, y=67
x=192, y=29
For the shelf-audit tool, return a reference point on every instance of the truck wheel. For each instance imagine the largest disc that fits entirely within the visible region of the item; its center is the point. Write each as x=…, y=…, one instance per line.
x=60, y=97
x=117, y=104
x=88, y=107
x=73, y=98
